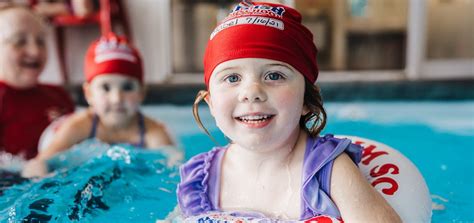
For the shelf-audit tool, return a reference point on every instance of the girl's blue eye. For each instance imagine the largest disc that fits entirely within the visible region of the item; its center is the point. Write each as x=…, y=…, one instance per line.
x=232, y=78
x=105, y=87
x=128, y=86
x=274, y=76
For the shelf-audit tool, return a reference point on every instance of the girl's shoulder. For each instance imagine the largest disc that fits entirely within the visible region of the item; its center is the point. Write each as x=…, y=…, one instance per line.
x=201, y=162
x=156, y=133
x=153, y=125
x=198, y=176
x=320, y=154
x=322, y=151
x=328, y=148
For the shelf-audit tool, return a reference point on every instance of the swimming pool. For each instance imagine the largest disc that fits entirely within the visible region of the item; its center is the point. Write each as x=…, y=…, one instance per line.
x=122, y=184
x=436, y=136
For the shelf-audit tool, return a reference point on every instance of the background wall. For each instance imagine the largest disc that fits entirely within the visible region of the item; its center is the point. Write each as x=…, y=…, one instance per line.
x=149, y=22
x=450, y=31
x=171, y=34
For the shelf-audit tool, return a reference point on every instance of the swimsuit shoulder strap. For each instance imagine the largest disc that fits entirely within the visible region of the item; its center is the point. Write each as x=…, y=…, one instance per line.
x=141, y=125
x=95, y=121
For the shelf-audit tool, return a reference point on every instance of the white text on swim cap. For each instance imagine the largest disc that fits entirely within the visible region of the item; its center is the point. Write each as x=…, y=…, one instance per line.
x=246, y=8
x=113, y=50
x=255, y=20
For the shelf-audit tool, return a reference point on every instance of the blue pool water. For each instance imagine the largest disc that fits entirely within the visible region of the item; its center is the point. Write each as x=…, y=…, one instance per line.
x=123, y=184
x=107, y=184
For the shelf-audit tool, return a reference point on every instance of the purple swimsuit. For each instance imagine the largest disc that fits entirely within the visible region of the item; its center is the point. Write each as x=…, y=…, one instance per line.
x=198, y=191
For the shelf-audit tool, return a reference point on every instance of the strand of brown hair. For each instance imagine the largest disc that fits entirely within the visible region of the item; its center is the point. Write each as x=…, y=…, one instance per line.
x=202, y=94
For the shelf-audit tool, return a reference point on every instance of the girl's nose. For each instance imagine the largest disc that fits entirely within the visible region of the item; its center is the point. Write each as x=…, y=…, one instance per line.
x=252, y=92
x=115, y=96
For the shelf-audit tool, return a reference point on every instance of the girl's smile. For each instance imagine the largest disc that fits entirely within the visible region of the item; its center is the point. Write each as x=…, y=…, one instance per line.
x=255, y=120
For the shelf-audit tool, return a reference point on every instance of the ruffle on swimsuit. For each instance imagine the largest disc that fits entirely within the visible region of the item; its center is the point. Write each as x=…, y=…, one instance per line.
x=198, y=191
x=194, y=195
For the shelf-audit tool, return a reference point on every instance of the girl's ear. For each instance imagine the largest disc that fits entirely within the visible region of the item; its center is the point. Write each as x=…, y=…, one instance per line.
x=207, y=99
x=86, y=88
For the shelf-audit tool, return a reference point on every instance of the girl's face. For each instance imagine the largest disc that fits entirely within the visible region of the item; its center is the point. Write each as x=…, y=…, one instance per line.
x=22, y=48
x=114, y=98
x=257, y=103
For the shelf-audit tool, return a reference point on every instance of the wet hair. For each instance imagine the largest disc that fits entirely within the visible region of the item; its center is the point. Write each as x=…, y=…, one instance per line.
x=199, y=97
x=315, y=121
x=312, y=123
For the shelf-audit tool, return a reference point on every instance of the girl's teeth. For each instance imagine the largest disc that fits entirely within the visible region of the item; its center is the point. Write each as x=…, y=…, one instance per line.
x=255, y=117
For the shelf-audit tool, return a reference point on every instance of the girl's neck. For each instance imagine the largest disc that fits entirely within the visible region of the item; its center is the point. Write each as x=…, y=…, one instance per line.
x=271, y=158
x=125, y=125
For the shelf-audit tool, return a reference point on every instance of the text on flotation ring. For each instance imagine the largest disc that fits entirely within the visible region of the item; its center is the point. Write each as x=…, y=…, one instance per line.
x=380, y=174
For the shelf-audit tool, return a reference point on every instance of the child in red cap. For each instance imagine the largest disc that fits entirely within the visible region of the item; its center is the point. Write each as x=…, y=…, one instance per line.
x=260, y=69
x=114, y=90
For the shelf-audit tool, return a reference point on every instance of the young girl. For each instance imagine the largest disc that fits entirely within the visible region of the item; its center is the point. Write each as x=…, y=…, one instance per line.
x=260, y=69
x=114, y=90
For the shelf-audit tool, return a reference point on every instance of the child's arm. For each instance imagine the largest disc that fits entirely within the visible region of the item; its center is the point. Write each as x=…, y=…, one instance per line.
x=356, y=199
x=74, y=129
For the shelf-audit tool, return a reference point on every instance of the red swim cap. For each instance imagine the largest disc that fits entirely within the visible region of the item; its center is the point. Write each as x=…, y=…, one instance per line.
x=262, y=30
x=113, y=54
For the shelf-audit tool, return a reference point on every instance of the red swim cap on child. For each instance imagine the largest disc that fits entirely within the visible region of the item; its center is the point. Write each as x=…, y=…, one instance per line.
x=262, y=30
x=113, y=54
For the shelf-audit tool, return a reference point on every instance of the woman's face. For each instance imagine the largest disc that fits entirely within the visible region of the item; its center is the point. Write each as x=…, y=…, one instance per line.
x=22, y=48
x=114, y=98
x=257, y=103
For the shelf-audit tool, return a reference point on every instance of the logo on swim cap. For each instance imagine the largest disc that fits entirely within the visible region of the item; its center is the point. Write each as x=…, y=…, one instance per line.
x=248, y=8
x=113, y=49
x=247, y=13
x=112, y=54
